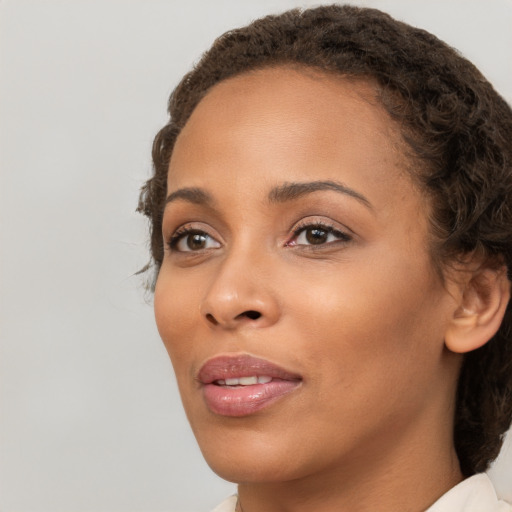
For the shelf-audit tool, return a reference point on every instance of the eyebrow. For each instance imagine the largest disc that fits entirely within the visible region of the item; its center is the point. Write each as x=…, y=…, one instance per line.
x=291, y=191
x=283, y=193
x=192, y=195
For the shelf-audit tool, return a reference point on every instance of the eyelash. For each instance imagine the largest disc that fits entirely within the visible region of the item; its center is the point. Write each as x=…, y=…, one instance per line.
x=182, y=233
x=342, y=237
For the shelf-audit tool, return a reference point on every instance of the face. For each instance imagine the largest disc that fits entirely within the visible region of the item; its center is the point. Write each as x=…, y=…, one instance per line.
x=297, y=298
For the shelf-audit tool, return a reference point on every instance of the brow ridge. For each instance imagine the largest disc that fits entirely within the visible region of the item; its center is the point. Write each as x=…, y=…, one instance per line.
x=293, y=190
x=193, y=195
x=288, y=191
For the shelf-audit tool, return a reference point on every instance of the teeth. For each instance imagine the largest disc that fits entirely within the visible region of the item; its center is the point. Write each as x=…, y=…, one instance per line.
x=245, y=381
x=248, y=381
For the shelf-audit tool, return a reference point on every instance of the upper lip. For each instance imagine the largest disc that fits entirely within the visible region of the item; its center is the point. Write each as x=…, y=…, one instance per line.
x=241, y=365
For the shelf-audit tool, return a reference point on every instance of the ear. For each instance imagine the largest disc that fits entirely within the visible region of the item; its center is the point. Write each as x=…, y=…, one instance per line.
x=482, y=305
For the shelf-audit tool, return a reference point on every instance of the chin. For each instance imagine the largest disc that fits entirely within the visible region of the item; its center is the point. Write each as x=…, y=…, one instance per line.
x=246, y=455
x=245, y=470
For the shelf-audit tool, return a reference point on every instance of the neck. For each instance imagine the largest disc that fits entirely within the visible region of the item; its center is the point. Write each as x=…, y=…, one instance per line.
x=389, y=475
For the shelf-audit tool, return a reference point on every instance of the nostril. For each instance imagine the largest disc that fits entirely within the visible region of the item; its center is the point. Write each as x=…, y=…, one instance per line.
x=250, y=314
x=253, y=315
x=211, y=319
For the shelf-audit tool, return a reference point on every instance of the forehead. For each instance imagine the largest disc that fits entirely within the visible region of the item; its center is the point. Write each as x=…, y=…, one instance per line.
x=289, y=124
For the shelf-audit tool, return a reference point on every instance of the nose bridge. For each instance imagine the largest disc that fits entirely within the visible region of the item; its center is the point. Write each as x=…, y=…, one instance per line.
x=240, y=291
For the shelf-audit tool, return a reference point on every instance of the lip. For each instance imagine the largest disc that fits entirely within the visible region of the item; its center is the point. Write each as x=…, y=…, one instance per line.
x=243, y=400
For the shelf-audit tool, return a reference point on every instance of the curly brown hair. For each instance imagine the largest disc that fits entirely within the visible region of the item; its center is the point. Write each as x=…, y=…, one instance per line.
x=458, y=128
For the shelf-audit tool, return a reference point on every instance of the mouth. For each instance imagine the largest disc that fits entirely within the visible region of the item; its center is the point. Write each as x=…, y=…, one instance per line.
x=241, y=385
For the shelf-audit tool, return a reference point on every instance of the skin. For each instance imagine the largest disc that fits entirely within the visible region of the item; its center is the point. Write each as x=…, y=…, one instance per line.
x=361, y=317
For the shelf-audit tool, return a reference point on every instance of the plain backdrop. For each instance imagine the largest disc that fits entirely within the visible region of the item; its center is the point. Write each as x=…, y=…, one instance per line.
x=90, y=417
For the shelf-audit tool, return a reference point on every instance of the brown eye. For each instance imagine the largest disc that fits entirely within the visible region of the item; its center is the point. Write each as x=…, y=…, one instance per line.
x=196, y=241
x=190, y=241
x=316, y=235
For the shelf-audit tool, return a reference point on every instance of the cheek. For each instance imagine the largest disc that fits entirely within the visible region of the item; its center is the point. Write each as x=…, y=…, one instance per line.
x=381, y=320
x=176, y=305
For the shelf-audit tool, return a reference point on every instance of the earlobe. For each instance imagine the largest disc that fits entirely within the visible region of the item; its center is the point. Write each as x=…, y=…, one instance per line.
x=481, y=310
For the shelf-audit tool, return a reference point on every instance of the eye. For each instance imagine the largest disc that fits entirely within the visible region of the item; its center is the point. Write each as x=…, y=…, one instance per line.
x=317, y=234
x=189, y=240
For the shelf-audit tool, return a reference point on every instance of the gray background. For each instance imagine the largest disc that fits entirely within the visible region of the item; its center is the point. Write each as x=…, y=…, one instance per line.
x=90, y=418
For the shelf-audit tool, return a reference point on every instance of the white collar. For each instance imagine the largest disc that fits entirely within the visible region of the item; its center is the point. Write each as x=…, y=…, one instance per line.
x=475, y=494
x=228, y=505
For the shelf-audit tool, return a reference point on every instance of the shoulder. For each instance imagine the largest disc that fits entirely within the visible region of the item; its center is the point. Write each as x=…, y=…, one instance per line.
x=475, y=494
x=229, y=505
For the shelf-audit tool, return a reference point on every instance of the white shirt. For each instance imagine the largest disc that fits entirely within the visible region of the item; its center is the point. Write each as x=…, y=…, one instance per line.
x=475, y=494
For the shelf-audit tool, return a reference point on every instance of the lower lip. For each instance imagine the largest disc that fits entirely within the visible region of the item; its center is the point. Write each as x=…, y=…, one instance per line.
x=245, y=400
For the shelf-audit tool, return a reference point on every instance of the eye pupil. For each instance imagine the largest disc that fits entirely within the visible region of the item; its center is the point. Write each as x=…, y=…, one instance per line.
x=196, y=241
x=316, y=235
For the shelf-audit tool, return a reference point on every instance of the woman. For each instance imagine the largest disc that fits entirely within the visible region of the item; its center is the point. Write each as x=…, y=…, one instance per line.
x=332, y=232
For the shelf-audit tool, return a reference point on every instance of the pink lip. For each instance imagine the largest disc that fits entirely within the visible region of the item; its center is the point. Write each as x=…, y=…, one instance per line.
x=243, y=400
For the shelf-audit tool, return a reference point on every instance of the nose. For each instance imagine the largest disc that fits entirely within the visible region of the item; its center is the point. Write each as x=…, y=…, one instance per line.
x=241, y=294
